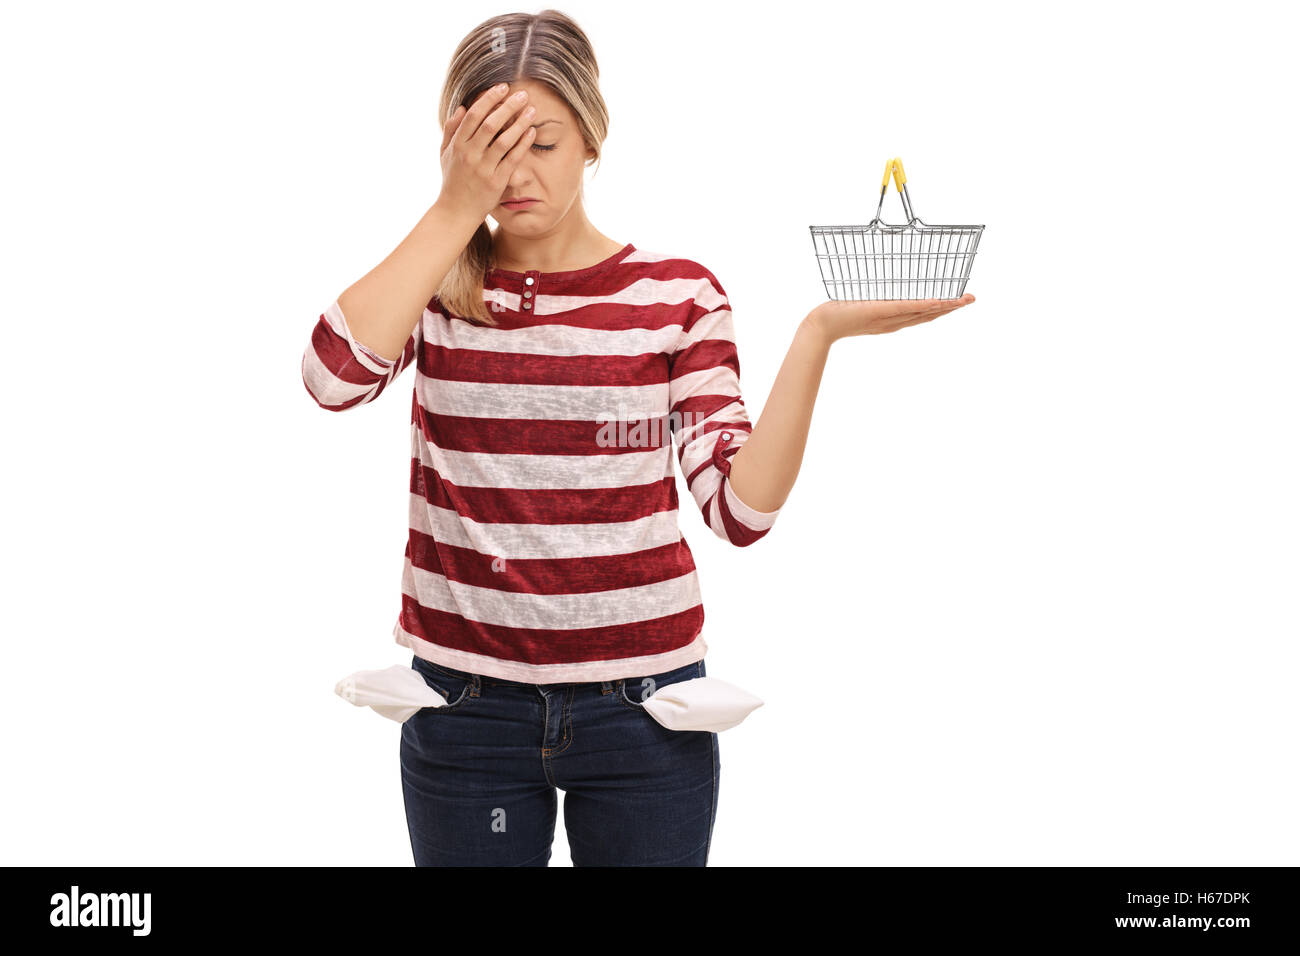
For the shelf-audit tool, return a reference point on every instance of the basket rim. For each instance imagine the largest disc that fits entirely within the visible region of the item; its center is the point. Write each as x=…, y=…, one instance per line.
x=881, y=227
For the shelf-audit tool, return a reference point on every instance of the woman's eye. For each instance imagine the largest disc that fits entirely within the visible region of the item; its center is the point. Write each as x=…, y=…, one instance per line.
x=539, y=146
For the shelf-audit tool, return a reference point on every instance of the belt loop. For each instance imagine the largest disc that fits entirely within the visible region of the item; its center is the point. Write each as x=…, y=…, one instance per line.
x=476, y=684
x=605, y=687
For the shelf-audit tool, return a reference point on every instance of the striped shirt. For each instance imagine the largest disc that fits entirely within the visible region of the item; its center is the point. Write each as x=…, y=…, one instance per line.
x=544, y=543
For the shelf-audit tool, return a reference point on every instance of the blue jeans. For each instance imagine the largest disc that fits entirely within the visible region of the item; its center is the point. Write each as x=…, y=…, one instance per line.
x=479, y=775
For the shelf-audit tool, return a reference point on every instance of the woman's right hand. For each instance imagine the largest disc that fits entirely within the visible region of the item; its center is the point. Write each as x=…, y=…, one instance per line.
x=476, y=162
x=840, y=318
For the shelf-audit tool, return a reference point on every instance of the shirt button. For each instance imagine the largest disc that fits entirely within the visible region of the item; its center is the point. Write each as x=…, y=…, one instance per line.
x=726, y=436
x=528, y=305
x=528, y=295
x=528, y=281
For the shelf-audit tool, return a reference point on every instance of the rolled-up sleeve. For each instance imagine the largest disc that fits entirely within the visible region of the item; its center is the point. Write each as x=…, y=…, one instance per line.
x=708, y=416
x=341, y=373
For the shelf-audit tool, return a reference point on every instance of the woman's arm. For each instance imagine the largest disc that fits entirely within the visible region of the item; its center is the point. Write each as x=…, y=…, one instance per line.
x=764, y=469
x=383, y=306
x=354, y=353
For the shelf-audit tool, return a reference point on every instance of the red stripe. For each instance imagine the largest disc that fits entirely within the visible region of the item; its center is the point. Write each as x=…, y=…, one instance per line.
x=333, y=352
x=737, y=533
x=699, y=407
x=704, y=355
x=542, y=505
x=527, y=436
x=550, y=575
x=550, y=646
x=519, y=368
x=605, y=316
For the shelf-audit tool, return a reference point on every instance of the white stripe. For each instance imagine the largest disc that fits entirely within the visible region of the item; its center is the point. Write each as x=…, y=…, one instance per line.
x=585, y=403
x=565, y=340
x=611, y=669
x=713, y=326
x=511, y=541
x=749, y=517
x=715, y=380
x=326, y=387
x=643, y=292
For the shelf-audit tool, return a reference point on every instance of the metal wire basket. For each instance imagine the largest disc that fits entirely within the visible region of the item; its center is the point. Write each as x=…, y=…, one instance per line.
x=882, y=261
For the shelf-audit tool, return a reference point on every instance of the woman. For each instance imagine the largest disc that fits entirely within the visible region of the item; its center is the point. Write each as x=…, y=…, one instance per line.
x=547, y=590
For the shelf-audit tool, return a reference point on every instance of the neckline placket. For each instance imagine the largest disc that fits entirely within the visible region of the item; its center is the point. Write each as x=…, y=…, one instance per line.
x=528, y=289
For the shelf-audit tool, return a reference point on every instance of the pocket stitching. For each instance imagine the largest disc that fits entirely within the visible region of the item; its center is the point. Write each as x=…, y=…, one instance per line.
x=627, y=701
x=450, y=704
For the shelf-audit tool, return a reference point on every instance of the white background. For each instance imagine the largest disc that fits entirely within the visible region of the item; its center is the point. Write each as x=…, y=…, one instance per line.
x=1032, y=600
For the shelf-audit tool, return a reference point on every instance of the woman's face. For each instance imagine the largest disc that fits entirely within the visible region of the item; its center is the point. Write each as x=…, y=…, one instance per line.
x=551, y=171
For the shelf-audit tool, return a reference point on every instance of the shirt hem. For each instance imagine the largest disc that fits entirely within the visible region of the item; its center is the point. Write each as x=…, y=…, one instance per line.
x=581, y=671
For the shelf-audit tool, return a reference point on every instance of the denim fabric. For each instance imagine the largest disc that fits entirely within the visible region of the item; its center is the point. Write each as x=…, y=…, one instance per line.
x=479, y=775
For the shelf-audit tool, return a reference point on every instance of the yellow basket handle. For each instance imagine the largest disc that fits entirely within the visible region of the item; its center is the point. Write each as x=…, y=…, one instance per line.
x=889, y=169
x=894, y=168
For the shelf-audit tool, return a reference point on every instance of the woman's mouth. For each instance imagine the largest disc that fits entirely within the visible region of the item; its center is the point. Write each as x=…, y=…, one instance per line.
x=520, y=203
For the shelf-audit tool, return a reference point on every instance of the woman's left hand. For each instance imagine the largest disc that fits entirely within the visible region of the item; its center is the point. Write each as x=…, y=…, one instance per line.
x=838, y=319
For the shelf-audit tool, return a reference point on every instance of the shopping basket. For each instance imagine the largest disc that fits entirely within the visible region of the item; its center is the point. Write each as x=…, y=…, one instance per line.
x=881, y=261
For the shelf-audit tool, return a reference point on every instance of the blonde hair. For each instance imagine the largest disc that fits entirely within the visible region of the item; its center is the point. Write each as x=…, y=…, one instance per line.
x=548, y=48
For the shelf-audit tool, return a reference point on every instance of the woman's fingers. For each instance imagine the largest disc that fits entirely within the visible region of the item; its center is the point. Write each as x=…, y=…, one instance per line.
x=449, y=128
x=521, y=147
x=497, y=120
x=944, y=306
x=508, y=142
x=471, y=127
x=844, y=317
x=907, y=312
x=933, y=308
